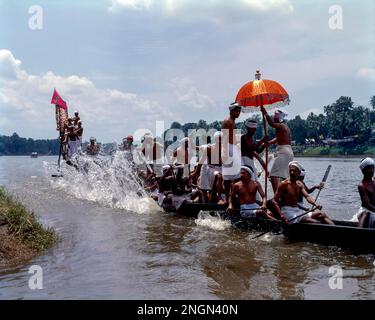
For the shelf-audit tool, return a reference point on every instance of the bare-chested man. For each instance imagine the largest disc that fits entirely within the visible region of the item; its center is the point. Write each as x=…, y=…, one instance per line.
x=183, y=156
x=249, y=148
x=76, y=118
x=284, y=152
x=287, y=196
x=153, y=154
x=366, y=190
x=93, y=148
x=231, y=152
x=79, y=133
x=209, y=169
x=244, y=194
x=320, y=215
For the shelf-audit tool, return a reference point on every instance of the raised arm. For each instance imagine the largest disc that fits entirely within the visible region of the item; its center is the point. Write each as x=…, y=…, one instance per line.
x=269, y=119
x=307, y=197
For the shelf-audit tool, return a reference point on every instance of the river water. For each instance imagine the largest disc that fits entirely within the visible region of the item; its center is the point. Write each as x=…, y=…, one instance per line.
x=115, y=244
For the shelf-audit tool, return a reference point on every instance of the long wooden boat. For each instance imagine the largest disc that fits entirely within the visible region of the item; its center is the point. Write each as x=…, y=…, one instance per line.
x=192, y=209
x=344, y=234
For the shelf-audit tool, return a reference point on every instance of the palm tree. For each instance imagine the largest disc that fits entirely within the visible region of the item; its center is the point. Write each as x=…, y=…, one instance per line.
x=372, y=102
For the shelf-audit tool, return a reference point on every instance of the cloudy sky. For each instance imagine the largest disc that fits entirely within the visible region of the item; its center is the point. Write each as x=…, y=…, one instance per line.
x=126, y=63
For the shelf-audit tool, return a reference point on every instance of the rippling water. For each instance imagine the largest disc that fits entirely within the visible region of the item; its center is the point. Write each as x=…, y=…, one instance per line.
x=115, y=244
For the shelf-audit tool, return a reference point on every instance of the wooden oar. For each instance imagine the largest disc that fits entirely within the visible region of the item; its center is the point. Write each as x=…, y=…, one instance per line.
x=313, y=208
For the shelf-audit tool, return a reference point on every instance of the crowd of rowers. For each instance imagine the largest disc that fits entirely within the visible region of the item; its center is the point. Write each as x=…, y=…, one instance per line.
x=225, y=173
x=71, y=139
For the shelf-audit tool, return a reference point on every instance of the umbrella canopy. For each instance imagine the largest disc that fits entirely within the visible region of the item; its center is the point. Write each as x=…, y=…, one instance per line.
x=267, y=93
x=259, y=92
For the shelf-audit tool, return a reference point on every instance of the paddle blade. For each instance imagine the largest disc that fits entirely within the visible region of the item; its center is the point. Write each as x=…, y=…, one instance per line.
x=327, y=173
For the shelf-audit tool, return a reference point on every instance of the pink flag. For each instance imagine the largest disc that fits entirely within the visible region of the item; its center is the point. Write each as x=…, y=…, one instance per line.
x=56, y=99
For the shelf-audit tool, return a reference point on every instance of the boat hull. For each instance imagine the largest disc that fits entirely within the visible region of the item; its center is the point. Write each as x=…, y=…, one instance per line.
x=344, y=234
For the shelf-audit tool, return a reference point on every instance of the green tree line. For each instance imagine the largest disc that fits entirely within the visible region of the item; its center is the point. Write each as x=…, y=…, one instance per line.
x=15, y=145
x=339, y=120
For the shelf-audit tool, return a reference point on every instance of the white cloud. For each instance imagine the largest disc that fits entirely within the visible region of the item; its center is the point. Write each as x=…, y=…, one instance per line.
x=367, y=73
x=130, y=4
x=202, y=8
x=25, y=100
x=267, y=5
x=189, y=96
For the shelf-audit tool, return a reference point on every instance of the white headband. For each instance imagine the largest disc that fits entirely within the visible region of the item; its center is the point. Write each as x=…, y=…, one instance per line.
x=297, y=165
x=280, y=114
x=366, y=162
x=248, y=169
x=234, y=105
x=250, y=123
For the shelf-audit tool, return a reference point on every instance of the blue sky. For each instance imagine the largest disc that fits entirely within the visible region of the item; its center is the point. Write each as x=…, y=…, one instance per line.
x=126, y=63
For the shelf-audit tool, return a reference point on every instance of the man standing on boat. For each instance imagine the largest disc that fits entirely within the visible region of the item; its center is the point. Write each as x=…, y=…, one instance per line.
x=287, y=197
x=249, y=148
x=153, y=153
x=79, y=133
x=209, y=169
x=231, y=152
x=284, y=152
x=366, y=191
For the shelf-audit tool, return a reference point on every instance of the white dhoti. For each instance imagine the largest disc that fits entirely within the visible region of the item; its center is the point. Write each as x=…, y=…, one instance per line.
x=291, y=213
x=232, y=165
x=284, y=155
x=249, y=210
x=161, y=198
x=208, y=175
x=72, y=148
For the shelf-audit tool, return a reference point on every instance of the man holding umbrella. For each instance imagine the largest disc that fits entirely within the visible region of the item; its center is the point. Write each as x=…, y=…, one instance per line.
x=284, y=152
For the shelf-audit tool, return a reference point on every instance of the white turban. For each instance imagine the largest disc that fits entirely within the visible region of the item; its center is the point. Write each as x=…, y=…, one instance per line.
x=166, y=168
x=249, y=170
x=250, y=123
x=280, y=114
x=297, y=165
x=366, y=162
x=234, y=105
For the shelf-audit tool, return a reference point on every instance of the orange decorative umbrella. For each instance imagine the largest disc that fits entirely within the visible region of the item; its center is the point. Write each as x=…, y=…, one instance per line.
x=267, y=93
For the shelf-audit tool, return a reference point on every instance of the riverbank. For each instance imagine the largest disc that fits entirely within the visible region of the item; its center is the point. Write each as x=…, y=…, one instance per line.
x=334, y=152
x=22, y=237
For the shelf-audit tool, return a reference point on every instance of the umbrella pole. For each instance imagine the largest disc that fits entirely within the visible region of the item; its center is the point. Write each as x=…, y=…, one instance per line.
x=266, y=135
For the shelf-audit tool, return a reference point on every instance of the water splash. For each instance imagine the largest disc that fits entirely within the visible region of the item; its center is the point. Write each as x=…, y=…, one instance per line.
x=107, y=180
x=214, y=222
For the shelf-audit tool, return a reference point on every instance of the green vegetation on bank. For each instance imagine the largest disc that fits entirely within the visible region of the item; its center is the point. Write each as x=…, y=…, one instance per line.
x=334, y=151
x=23, y=225
x=15, y=145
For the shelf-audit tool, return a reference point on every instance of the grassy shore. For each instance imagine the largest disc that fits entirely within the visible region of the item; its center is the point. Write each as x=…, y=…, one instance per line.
x=21, y=235
x=337, y=152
